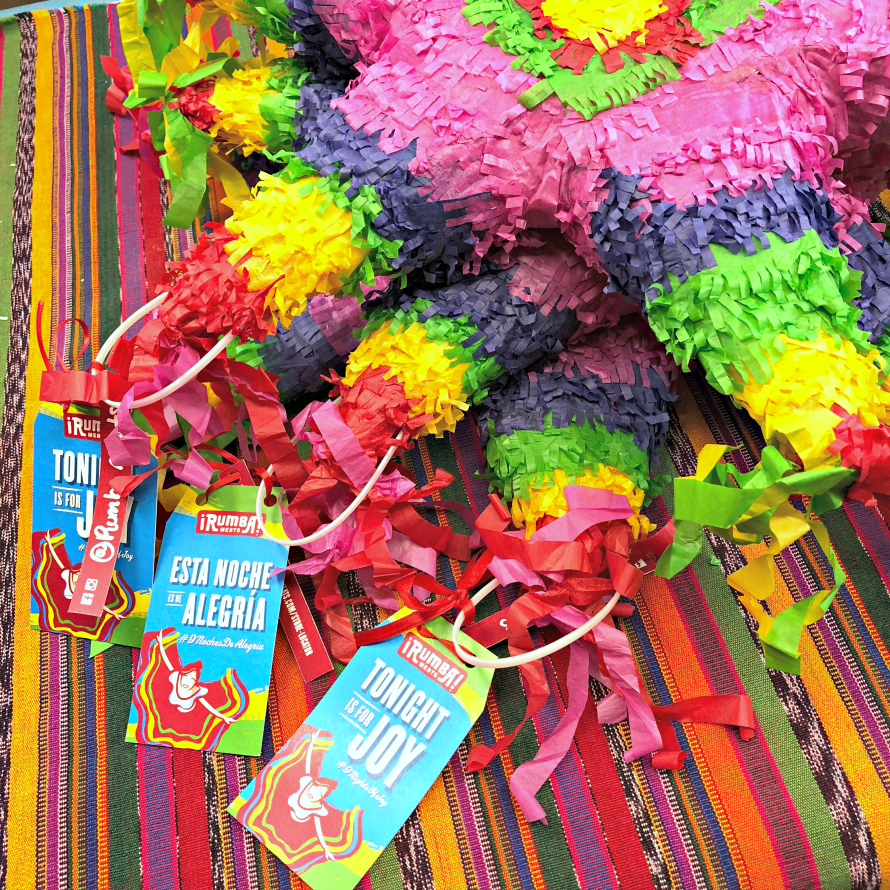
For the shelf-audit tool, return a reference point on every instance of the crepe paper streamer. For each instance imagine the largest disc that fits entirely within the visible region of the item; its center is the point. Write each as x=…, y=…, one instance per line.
x=757, y=507
x=730, y=317
x=797, y=406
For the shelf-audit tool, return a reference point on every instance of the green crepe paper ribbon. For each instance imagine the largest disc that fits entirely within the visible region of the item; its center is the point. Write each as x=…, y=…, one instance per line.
x=518, y=462
x=730, y=316
x=594, y=89
x=149, y=30
x=480, y=374
x=364, y=206
x=185, y=162
x=743, y=508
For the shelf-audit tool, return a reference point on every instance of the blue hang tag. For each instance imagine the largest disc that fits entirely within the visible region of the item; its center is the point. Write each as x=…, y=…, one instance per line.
x=338, y=791
x=67, y=449
x=206, y=657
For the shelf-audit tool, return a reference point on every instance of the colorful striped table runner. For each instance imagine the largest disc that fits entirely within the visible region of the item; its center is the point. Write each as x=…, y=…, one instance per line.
x=805, y=804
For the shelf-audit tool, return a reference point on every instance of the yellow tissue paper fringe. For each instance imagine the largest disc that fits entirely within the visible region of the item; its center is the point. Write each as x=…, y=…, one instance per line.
x=605, y=23
x=422, y=367
x=239, y=123
x=293, y=237
x=548, y=498
x=793, y=408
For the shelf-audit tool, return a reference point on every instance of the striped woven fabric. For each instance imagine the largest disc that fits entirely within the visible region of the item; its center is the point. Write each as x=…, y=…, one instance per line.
x=805, y=804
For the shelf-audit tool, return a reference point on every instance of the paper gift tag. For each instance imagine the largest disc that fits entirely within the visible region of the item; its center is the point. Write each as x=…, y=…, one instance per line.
x=302, y=633
x=67, y=446
x=206, y=657
x=335, y=795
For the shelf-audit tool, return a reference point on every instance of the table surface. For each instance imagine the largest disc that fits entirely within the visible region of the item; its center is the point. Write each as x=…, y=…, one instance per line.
x=804, y=804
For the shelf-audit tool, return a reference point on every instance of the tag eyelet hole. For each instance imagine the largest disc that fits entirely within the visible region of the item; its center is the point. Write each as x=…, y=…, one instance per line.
x=269, y=501
x=201, y=499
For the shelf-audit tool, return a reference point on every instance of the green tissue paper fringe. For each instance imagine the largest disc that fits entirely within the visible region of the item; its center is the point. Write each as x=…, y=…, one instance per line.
x=519, y=461
x=279, y=108
x=730, y=317
x=480, y=374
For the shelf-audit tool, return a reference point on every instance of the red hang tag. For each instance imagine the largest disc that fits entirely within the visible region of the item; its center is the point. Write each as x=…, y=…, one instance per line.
x=109, y=519
x=301, y=632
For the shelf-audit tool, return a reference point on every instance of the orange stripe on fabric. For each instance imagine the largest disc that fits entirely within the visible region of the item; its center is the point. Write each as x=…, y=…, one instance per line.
x=842, y=613
x=740, y=819
x=74, y=141
x=495, y=817
x=834, y=708
x=75, y=787
x=531, y=852
x=825, y=697
x=22, y=825
x=101, y=777
x=94, y=108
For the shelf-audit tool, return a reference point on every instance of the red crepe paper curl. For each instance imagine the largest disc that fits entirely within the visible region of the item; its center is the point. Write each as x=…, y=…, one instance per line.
x=864, y=448
x=194, y=103
x=209, y=297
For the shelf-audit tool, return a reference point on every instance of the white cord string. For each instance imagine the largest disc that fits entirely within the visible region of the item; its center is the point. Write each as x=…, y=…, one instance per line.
x=125, y=325
x=177, y=384
x=535, y=654
x=336, y=523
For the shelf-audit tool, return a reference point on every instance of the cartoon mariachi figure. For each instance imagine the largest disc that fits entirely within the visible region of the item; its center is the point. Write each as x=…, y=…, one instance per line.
x=175, y=706
x=288, y=809
x=53, y=578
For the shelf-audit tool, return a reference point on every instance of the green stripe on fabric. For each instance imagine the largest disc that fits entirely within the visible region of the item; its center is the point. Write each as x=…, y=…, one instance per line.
x=9, y=122
x=124, y=842
x=106, y=183
x=825, y=842
x=861, y=569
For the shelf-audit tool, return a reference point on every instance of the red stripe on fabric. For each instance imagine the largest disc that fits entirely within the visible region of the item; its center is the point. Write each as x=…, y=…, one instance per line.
x=195, y=871
x=159, y=853
x=152, y=227
x=608, y=795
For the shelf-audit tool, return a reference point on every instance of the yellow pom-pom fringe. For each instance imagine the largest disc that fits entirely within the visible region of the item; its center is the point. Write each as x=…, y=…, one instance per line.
x=239, y=123
x=298, y=241
x=794, y=407
x=422, y=367
x=605, y=23
x=548, y=498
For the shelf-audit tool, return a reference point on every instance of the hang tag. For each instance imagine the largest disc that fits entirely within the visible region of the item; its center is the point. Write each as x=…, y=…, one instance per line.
x=93, y=585
x=67, y=473
x=335, y=795
x=302, y=633
x=206, y=657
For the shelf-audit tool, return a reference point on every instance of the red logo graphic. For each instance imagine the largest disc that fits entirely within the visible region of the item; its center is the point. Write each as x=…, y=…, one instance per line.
x=83, y=426
x=431, y=662
x=223, y=522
